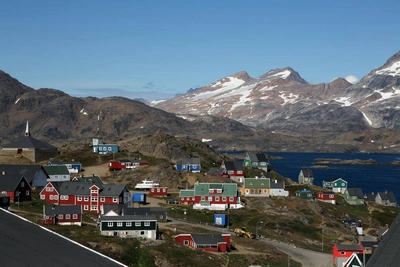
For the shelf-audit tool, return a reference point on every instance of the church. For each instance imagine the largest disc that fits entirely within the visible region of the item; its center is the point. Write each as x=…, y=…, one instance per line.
x=30, y=148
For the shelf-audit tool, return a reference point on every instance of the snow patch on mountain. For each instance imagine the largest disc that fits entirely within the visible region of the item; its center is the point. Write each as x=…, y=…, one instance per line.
x=392, y=70
x=283, y=74
x=344, y=100
x=291, y=98
x=232, y=83
x=366, y=118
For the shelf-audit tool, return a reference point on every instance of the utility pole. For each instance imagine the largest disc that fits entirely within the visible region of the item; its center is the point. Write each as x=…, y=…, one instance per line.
x=322, y=238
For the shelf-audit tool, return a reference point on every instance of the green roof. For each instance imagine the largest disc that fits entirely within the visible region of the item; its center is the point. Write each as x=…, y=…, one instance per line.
x=229, y=190
x=186, y=193
x=257, y=183
x=56, y=170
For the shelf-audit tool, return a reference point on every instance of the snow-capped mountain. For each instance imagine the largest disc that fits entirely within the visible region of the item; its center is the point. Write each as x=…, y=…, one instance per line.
x=281, y=99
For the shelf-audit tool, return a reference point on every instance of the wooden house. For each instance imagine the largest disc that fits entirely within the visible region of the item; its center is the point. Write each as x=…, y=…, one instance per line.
x=158, y=192
x=263, y=187
x=140, y=163
x=386, y=199
x=119, y=164
x=234, y=170
x=16, y=187
x=206, y=242
x=132, y=226
x=72, y=166
x=218, y=172
x=218, y=196
x=306, y=176
x=338, y=185
x=354, y=196
x=188, y=165
x=277, y=188
x=89, y=195
x=305, y=194
x=99, y=147
x=4, y=201
x=34, y=173
x=57, y=173
x=29, y=147
x=325, y=196
x=62, y=215
x=341, y=252
x=256, y=161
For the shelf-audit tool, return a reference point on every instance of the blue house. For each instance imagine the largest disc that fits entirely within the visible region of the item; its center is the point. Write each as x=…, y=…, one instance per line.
x=188, y=165
x=72, y=166
x=99, y=147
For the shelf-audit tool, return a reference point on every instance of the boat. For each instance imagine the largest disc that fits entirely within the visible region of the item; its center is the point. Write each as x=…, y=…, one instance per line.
x=146, y=184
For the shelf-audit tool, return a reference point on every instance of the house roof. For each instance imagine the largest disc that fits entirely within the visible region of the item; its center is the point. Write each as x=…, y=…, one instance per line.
x=229, y=190
x=233, y=165
x=387, y=196
x=304, y=191
x=29, y=142
x=186, y=193
x=346, y=247
x=307, y=173
x=370, y=197
x=105, y=218
x=57, y=209
x=56, y=170
x=205, y=239
x=17, y=231
x=256, y=182
x=77, y=188
x=355, y=192
x=388, y=251
x=277, y=185
x=10, y=182
x=29, y=171
x=326, y=192
x=89, y=179
x=142, y=211
x=258, y=157
x=191, y=161
x=216, y=171
x=117, y=208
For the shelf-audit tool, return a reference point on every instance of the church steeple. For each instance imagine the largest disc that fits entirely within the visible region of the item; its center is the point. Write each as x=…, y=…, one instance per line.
x=27, y=133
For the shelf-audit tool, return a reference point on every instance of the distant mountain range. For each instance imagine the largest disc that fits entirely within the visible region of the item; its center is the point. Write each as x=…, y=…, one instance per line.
x=276, y=111
x=282, y=100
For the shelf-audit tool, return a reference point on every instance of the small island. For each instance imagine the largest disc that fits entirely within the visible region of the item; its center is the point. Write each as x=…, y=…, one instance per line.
x=322, y=161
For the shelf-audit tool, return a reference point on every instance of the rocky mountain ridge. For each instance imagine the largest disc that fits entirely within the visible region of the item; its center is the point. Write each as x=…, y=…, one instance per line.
x=281, y=99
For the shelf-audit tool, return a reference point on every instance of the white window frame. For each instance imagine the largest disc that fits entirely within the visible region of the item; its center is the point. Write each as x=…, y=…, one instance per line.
x=67, y=216
x=128, y=224
x=119, y=224
x=146, y=223
x=138, y=223
x=110, y=224
x=102, y=199
x=60, y=216
x=75, y=216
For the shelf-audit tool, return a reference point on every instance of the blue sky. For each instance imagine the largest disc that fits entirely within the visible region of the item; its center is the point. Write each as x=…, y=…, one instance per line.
x=156, y=49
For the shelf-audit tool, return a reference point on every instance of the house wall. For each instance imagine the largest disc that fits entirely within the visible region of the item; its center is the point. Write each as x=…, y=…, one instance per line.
x=149, y=232
x=211, y=199
x=159, y=192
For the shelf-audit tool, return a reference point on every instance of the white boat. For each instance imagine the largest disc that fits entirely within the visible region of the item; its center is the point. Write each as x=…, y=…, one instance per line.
x=146, y=184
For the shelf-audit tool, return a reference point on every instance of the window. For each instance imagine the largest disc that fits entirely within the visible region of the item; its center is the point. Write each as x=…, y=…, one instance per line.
x=224, y=199
x=93, y=207
x=211, y=191
x=79, y=198
x=67, y=216
x=56, y=176
x=27, y=193
x=216, y=198
x=158, y=190
x=342, y=184
x=138, y=223
x=93, y=191
x=22, y=184
x=75, y=216
x=60, y=216
x=51, y=197
x=247, y=191
x=94, y=199
x=119, y=224
x=209, y=198
x=219, y=191
x=141, y=232
x=109, y=149
x=193, y=198
x=49, y=189
x=42, y=197
x=239, y=172
x=128, y=224
x=203, y=198
x=100, y=148
x=102, y=199
x=231, y=199
x=110, y=224
x=85, y=207
x=146, y=223
x=186, y=242
x=86, y=199
x=56, y=197
x=115, y=199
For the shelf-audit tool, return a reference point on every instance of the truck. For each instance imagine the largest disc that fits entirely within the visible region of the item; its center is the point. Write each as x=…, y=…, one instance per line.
x=243, y=233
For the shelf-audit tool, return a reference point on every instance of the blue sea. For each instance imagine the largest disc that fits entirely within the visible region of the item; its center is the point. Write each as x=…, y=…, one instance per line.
x=370, y=178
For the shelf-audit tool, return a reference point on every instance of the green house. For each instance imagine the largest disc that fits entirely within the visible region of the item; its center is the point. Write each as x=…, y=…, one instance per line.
x=135, y=226
x=256, y=161
x=338, y=186
x=304, y=194
x=354, y=196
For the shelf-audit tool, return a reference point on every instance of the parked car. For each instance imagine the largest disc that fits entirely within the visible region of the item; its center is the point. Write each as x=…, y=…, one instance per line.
x=172, y=201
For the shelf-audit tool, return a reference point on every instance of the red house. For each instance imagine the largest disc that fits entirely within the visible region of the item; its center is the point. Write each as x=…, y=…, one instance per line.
x=62, y=215
x=328, y=197
x=206, y=195
x=159, y=192
x=341, y=252
x=207, y=242
x=88, y=195
x=16, y=187
x=233, y=170
x=119, y=164
x=140, y=163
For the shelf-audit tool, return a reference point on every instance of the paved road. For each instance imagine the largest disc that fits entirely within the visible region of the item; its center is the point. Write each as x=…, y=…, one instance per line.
x=308, y=258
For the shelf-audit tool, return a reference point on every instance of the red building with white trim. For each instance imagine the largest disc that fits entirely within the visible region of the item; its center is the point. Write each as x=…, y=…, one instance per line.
x=90, y=196
x=159, y=192
x=207, y=242
x=328, y=197
x=62, y=215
